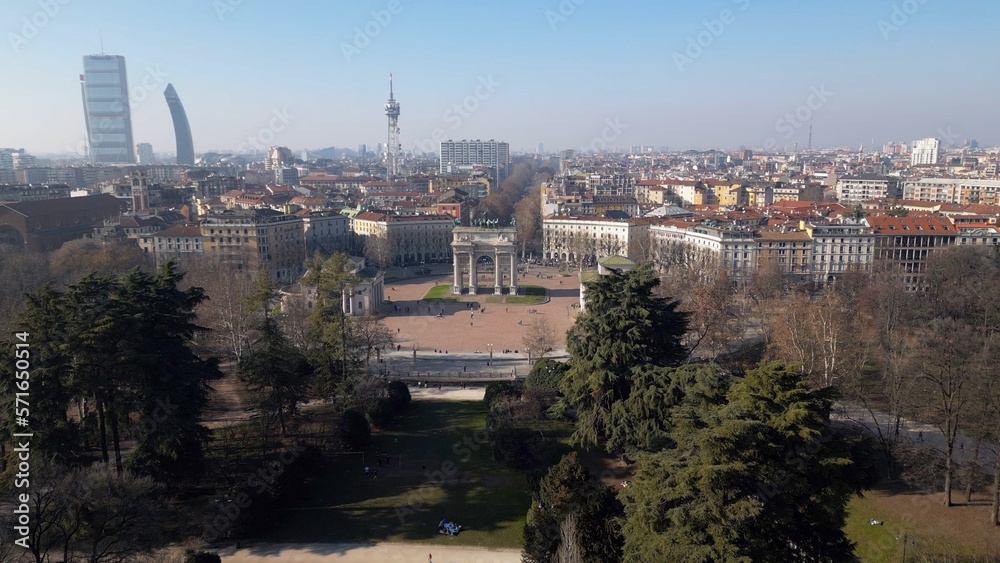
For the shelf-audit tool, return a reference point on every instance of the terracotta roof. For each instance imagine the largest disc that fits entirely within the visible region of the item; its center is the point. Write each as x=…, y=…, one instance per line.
x=930, y=224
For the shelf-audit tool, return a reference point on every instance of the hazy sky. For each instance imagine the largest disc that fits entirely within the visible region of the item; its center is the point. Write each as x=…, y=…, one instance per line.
x=570, y=74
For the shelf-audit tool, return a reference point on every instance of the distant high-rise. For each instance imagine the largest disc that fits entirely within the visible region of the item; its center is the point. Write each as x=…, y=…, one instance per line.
x=104, y=86
x=925, y=151
x=456, y=155
x=182, y=130
x=392, y=144
x=145, y=153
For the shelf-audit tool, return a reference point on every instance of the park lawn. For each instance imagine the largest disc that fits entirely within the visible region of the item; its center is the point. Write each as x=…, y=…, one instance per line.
x=525, y=300
x=447, y=472
x=932, y=530
x=439, y=293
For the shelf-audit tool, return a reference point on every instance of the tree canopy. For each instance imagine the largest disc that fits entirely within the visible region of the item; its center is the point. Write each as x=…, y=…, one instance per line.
x=625, y=327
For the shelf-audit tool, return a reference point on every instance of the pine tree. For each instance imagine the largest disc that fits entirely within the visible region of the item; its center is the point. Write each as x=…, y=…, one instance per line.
x=625, y=327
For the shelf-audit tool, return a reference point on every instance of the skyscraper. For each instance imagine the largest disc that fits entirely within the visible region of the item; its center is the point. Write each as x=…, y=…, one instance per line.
x=104, y=86
x=459, y=155
x=182, y=130
x=145, y=153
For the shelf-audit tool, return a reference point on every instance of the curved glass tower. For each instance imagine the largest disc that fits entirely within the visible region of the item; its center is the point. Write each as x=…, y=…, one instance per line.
x=182, y=131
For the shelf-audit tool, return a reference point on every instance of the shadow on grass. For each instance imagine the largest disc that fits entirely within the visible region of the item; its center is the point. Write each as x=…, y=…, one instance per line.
x=440, y=466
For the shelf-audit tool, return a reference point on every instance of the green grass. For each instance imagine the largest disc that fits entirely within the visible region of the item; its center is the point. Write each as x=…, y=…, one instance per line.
x=532, y=290
x=405, y=504
x=875, y=544
x=439, y=293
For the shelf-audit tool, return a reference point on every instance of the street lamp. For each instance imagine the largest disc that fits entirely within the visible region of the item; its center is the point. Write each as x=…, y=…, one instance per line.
x=490, y=348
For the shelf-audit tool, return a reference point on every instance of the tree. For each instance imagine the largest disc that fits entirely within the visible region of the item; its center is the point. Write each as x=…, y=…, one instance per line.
x=371, y=332
x=355, y=432
x=528, y=213
x=947, y=365
x=122, y=347
x=546, y=375
x=625, y=326
x=381, y=250
x=539, y=339
x=760, y=477
x=334, y=279
x=568, y=489
x=226, y=310
x=276, y=374
x=95, y=515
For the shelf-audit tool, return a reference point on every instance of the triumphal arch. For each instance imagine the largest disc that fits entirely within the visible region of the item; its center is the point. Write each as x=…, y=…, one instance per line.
x=481, y=250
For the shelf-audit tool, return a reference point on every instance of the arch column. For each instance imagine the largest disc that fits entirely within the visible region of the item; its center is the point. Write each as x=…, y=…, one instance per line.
x=456, y=288
x=497, y=280
x=472, y=273
x=513, y=273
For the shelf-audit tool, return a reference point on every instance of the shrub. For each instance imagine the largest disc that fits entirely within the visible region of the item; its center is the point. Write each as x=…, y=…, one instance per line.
x=355, y=432
x=380, y=412
x=500, y=389
x=399, y=395
x=191, y=556
x=546, y=375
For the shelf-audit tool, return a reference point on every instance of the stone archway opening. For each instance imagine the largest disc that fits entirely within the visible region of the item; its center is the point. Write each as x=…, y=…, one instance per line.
x=484, y=255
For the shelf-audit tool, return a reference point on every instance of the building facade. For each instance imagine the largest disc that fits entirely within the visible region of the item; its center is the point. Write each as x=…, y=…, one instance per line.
x=925, y=151
x=458, y=155
x=106, y=109
x=852, y=190
x=263, y=239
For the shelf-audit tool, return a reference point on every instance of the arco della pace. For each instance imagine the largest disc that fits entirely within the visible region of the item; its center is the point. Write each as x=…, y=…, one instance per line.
x=484, y=250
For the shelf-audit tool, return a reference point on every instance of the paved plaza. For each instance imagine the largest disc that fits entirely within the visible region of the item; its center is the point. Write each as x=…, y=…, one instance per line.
x=449, y=337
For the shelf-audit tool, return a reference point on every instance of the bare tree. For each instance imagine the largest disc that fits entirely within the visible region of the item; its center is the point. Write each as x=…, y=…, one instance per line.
x=569, y=546
x=381, y=250
x=372, y=333
x=538, y=339
x=228, y=283
x=947, y=364
x=528, y=214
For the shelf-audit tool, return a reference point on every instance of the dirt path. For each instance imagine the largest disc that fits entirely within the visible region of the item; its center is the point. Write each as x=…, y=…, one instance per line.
x=359, y=553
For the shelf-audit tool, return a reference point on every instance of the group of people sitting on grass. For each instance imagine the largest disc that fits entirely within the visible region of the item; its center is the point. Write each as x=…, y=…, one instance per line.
x=450, y=528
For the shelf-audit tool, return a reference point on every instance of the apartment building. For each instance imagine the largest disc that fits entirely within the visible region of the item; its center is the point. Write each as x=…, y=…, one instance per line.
x=905, y=243
x=262, y=239
x=417, y=238
x=852, y=190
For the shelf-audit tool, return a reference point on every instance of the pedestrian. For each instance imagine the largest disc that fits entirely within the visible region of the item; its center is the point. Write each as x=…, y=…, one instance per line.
x=465, y=368
x=470, y=323
x=366, y=470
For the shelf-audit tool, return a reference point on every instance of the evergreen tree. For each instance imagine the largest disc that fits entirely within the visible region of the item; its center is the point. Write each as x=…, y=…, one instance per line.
x=625, y=327
x=333, y=354
x=758, y=478
x=276, y=373
x=568, y=488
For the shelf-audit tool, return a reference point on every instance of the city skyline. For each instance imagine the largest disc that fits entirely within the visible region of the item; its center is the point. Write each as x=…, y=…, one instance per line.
x=573, y=74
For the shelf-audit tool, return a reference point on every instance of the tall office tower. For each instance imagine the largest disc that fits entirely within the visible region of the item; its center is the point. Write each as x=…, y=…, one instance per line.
x=925, y=151
x=104, y=86
x=362, y=151
x=459, y=155
x=392, y=143
x=182, y=130
x=145, y=153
